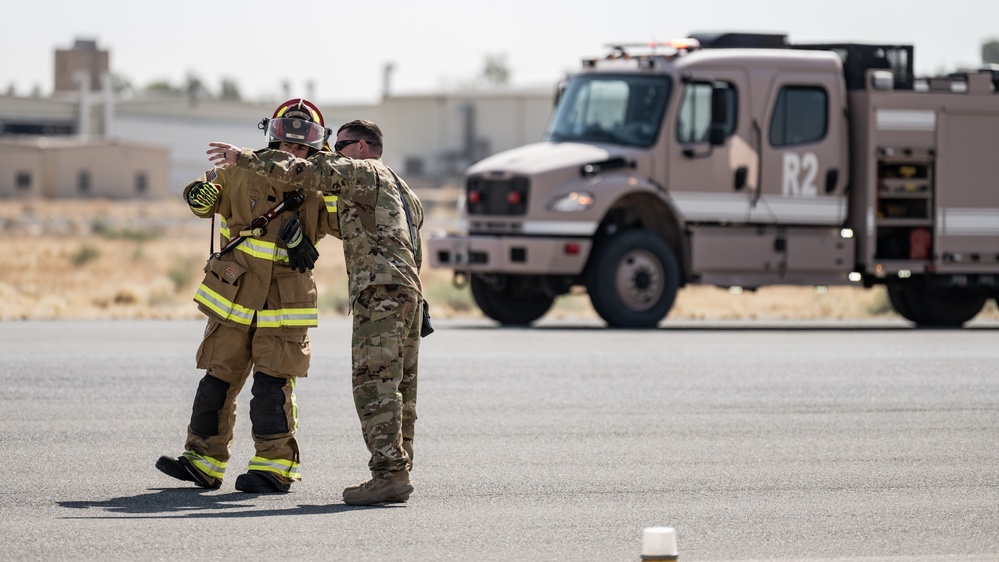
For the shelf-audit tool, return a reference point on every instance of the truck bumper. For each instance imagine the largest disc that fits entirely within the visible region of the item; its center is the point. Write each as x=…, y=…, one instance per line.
x=509, y=254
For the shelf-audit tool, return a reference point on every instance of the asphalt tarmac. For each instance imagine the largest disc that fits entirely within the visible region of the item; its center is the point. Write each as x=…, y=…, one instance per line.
x=785, y=441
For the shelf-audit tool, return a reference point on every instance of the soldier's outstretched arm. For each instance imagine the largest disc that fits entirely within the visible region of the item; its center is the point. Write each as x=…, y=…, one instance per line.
x=319, y=172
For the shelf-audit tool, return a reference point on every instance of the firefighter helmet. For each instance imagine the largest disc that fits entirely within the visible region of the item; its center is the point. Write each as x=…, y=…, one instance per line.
x=297, y=121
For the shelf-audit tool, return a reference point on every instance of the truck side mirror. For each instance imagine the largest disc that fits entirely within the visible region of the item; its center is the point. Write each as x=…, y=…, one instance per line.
x=559, y=90
x=720, y=96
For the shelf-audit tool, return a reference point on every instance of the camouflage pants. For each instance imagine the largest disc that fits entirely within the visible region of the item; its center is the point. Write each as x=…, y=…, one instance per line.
x=385, y=349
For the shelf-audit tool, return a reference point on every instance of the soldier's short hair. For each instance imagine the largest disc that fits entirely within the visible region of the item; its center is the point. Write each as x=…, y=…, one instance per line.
x=367, y=130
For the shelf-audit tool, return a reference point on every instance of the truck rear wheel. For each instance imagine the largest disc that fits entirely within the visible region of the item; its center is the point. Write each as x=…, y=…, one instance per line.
x=898, y=301
x=510, y=299
x=633, y=279
x=936, y=306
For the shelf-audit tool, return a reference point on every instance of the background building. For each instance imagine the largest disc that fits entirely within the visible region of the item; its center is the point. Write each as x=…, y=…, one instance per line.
x=68, y=167
x=84, y=63
x=51, y=146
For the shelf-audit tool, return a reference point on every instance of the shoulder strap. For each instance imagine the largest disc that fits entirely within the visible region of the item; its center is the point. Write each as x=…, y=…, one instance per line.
x=292, y=200
x=409, y=218
x=405, y=204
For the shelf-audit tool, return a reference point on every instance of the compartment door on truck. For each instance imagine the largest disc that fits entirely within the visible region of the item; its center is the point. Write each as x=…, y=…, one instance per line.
x=803, y=153
x=967, y=194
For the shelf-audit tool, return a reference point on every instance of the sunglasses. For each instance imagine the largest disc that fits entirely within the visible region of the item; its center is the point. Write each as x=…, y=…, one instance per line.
x=340, y=145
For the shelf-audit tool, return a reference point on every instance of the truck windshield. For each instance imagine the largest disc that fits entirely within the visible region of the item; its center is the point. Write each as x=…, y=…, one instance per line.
x=621, y=109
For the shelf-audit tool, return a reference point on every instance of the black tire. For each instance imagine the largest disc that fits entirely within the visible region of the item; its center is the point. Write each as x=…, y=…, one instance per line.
x=633, y=279
x=514, y=300
x=936, y=307
x=897, y=298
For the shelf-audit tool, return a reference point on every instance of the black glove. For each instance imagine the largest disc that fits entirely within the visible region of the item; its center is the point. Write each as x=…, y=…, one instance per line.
x=202, y=196
x=293, y=200
x=301, y=253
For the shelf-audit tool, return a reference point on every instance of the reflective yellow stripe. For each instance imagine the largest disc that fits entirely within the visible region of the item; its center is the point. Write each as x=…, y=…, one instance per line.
x=212, y=467
x=226, y=309
x=330, y=202
x=257, y=248
x=288, y=317
x=264, y=250
x=288, y=469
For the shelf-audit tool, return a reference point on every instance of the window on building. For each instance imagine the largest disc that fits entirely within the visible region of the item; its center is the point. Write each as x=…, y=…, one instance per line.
x=801, y=116
x=141, y=182
x=23, y=181
x=83, y=181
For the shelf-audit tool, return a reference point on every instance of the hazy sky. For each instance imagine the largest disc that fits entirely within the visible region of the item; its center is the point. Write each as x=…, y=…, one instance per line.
x=341, y=48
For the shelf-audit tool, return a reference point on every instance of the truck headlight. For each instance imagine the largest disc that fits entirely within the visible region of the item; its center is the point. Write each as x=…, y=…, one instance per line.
x=572, y=202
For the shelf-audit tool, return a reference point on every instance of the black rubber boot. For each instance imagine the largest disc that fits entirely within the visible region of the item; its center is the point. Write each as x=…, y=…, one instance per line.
x=260, y=482
x=182, y=469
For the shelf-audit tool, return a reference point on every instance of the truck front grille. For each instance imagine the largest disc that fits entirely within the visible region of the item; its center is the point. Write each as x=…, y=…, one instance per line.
x=486, y=196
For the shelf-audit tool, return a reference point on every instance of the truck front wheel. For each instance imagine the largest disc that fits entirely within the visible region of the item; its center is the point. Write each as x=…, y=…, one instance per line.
x=633, y=279
x=936, y=306
x=510, y=299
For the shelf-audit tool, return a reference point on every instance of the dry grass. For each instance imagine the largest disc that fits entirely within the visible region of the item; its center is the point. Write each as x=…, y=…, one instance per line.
x=118, y=260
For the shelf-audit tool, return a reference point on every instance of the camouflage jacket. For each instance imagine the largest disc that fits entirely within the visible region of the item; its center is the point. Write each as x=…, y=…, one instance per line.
x=377, y=246
x=252, y=284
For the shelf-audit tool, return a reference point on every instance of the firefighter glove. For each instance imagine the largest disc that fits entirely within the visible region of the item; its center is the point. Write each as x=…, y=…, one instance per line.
x=202, y=196
x=301, y=253
x=293, y=200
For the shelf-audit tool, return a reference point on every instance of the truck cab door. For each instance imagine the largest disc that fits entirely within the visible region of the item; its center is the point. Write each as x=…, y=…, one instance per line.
x=803, y=153
x=711, y=165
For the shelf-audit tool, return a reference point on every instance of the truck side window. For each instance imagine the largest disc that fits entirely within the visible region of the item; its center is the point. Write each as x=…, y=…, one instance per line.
x=694, y=120
x=800, y=116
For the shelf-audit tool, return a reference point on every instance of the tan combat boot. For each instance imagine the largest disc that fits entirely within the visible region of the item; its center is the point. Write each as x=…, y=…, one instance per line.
x=401, y=498
x=393, y=488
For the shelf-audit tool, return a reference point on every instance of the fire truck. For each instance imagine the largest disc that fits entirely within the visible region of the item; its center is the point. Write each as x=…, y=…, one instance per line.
x=741, y=160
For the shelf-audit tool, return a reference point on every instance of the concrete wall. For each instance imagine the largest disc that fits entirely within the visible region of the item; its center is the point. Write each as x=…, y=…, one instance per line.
x=81, y=169
x=114, y=171
x=443, y=134
x=21, y=171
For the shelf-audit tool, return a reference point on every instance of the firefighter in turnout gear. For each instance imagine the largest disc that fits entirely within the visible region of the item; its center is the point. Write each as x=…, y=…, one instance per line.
x=260, y=297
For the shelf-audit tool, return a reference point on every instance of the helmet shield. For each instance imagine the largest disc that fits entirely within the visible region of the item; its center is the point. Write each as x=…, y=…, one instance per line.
x=297, y=131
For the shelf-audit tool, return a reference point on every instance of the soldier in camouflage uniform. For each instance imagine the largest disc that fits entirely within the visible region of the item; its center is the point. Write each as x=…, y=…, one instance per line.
x=383, y=255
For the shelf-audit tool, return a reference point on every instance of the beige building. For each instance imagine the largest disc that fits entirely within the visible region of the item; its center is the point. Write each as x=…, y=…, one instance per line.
x=430, y=138
x=86, y=141
x=67, y=167
x=437, y=136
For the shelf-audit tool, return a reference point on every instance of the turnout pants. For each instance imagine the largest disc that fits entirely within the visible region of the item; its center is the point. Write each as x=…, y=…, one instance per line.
x=385, y=349
x=229, y=354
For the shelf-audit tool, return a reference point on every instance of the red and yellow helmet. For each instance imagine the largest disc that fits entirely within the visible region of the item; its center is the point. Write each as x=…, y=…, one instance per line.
x=297, y=121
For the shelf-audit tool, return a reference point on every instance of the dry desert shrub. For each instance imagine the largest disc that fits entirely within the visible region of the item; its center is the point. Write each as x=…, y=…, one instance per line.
x=129, y=259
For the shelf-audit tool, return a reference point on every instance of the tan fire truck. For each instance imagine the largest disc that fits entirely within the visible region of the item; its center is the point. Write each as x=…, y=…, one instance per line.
x=741, y=160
